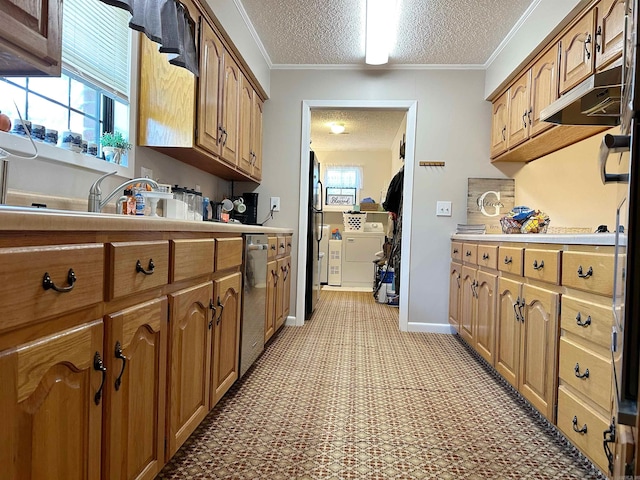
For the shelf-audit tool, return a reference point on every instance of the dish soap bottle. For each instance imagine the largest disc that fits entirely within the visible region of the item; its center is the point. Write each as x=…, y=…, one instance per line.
x=139, y=202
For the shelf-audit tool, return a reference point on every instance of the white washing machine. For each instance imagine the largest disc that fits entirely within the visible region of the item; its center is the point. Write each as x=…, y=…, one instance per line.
x=359, y=251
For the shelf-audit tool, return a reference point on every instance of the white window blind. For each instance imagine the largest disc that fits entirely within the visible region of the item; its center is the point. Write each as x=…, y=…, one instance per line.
x=343, y=176
x=95, y=43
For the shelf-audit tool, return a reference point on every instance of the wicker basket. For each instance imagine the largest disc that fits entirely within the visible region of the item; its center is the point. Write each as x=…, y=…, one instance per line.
x=509, y=225
x=369, y=207
x=354, y=222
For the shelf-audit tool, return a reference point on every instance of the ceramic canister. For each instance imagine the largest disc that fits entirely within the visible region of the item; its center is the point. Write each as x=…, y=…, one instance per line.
x=37, y=132
x=72, y=141
x=51, y=136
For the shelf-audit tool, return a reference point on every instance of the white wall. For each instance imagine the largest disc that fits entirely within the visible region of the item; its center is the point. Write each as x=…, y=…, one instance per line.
x=396, y=161
x=453, y=125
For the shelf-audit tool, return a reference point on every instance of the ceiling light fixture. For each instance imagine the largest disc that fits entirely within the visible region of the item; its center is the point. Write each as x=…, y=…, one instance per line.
x=381, y=20
x=337, y=128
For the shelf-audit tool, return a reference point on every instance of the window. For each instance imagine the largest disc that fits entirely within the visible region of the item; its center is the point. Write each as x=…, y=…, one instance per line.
x=92, y=94
x=342, y=183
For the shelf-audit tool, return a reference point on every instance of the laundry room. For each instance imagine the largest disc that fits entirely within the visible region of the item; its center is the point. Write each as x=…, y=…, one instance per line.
x=355, y=177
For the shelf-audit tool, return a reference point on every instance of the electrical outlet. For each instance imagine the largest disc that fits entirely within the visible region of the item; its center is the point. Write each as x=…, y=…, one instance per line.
x=443, y=209
x=275, y=204
x=146, y=172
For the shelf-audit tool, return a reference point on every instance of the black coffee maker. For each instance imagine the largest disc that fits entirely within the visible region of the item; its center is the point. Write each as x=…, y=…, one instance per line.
x=250, y=214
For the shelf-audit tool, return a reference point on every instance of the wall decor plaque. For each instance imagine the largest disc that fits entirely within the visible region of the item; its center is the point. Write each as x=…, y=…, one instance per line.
x=488, y=199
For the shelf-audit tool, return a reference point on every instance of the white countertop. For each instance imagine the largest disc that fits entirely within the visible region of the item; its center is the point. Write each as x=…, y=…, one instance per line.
x=35, y=219
x=564, y=239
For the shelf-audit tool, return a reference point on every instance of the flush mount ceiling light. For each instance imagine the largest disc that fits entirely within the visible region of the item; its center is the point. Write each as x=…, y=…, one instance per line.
x=337, y=128
x=381, y=24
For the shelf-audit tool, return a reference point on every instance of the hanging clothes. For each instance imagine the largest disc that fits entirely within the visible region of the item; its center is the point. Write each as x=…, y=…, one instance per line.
x=393, y=204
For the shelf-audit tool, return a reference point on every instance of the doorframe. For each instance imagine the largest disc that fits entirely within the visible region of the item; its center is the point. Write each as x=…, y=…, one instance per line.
x=411, y=107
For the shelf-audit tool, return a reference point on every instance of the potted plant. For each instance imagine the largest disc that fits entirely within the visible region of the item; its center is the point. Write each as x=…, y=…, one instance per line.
x=114, y=146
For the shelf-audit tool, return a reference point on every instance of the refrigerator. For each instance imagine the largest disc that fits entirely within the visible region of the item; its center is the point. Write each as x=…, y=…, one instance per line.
x=315, y=219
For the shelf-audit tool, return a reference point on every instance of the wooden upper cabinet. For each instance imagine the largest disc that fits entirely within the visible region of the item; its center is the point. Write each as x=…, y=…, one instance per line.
x=30, y=37
x=210, y=134
x=230, y=110
x=499, y=125
x=518, y=108
x=544, y=89
x=577, y=52
x=256, y=136
x=250, y=159
x=609, y=34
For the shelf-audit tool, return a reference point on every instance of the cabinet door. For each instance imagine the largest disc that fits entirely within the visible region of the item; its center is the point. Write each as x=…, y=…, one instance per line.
x=256, y=137
x=609, y=34
x=31, y=37
x=544, y=89
x=270, y=317
x=245, y=156
x=499, y=125
x=279, y=320
x=508, y=323
x=539, y=336
x=136, y=348
x=226, y=346
x=189, y=362
x=51, y=404
x=485, y=315
x=467, y=304
x=455, y=275
x=576, y=55
x=519, y=106
x=230, y=110
x=210, y=134
x=286, y=287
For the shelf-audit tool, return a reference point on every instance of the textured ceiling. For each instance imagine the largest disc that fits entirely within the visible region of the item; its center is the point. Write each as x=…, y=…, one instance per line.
x=365, y=129
x=430, y=32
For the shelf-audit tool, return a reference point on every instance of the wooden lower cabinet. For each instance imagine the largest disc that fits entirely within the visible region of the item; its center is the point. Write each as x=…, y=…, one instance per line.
x=508, y=323
x=226, y=343
x=455, y=274
x=286, y=287
x=136, y=355
x=484, y=314
x=51, y=402
x=467, y=296
x=538, y=348
x=189, y=367
x=272, y=285
x=279, y=315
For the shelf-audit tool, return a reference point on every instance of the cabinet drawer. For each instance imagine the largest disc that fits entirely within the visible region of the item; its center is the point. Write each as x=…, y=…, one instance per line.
x=576, y=360
x=273, y=247
x=137, y=266
x=470, y=253
x=191, y=258
x=26, y=296
x=228, y=252
x=574, y=413
x=287, y=248
x=591, y=272
x=591, y=321
x=510, y=259
x=456, y=251
x=488, y=256
x=282, y=245
x=542, y=265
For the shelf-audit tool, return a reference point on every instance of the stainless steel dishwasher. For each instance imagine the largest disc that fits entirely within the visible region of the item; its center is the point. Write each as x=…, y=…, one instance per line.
x=253, y=300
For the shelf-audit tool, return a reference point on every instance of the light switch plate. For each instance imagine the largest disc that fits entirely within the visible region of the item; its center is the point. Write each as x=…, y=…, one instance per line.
x=443, y=209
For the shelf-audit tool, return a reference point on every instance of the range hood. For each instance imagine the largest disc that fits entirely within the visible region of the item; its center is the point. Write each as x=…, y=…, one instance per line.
x=596, y=101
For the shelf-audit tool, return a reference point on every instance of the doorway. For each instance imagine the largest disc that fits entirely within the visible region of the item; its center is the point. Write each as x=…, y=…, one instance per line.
x=410, y=107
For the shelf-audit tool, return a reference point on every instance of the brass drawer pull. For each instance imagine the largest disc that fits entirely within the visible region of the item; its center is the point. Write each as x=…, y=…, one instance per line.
x=580, y=323
x=538, y=267
x=150, y=270
x=585, y=275
x=575, y=426
x=98, y=365
x=47, y=283
x=119, y=355
x=508, y=260
x=576, y=370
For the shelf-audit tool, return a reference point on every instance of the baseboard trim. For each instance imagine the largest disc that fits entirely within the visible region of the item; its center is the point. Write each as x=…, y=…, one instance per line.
x=430, y=328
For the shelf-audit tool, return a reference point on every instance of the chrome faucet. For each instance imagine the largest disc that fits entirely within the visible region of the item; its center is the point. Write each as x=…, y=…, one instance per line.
x=96, y=204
